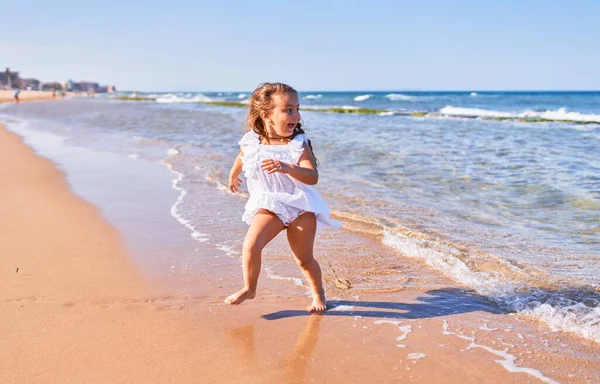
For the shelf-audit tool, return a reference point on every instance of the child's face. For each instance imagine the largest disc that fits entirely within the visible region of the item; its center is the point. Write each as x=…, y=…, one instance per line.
x=285, y=114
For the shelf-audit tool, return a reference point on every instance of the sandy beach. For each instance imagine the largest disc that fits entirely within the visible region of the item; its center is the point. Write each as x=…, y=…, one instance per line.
x=75, y=308
x=8, y=95
x=447, y=154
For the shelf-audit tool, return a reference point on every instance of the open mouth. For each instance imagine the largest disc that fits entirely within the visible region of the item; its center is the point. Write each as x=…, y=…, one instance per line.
x=291, y=126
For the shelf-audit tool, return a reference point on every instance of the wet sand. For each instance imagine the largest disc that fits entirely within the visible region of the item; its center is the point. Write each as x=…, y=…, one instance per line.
x=74, y=308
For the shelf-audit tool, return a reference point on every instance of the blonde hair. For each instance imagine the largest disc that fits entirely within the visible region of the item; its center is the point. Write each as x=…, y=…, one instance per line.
x=261, y=102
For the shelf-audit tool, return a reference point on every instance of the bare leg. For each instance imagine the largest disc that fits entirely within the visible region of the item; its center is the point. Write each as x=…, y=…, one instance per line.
x=301, y=236
x=265, y=226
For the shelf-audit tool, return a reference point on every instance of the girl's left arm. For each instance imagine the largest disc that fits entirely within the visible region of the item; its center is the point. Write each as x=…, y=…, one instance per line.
x=236, y=169
x=305, y=172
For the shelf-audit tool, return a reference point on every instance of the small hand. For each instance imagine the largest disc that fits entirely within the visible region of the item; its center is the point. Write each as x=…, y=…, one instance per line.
x=270, y=166
x=234, y=183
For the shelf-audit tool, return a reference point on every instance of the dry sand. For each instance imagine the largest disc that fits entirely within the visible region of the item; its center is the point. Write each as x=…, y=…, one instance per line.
x=73, y=308
x=7, y=95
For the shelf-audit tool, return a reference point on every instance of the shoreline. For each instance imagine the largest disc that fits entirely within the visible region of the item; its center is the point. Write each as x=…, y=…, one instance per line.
x=77, y=309
x=6, y=96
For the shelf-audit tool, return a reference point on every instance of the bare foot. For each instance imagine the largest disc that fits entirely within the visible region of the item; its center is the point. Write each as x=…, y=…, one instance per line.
x=319, y=304
x=240, y=296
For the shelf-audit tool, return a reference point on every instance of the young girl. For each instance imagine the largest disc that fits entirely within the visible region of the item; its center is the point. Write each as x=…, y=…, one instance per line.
x=280, y=169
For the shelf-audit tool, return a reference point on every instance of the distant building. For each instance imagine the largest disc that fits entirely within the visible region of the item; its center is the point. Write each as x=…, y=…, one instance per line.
x=88, y=86
x=33, y=84
x=82, y=86
x=9, y=79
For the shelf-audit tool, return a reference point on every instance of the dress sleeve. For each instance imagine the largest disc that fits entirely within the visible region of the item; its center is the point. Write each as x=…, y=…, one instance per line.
x=297, y=147
x=250, y=144
x=250, y=138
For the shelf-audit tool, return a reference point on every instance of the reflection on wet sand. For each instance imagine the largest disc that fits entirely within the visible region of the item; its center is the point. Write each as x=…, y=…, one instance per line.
x=295, y=364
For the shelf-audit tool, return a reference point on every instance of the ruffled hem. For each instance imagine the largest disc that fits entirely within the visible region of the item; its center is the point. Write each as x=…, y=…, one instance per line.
x=279, y=204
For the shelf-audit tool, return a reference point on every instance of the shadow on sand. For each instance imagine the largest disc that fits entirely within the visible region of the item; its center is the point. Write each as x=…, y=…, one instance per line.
x=438, y=302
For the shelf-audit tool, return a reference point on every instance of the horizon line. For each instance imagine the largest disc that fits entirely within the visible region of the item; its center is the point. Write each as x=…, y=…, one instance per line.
x=385, y=90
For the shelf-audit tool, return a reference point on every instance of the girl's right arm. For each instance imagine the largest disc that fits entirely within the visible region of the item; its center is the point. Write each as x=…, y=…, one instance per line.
x=236, y=169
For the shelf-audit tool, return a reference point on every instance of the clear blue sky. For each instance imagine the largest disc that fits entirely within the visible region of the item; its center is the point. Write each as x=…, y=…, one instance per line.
x=312, y=45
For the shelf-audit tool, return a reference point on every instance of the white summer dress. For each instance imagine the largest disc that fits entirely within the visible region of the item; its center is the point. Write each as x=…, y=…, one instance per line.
x=278, y=192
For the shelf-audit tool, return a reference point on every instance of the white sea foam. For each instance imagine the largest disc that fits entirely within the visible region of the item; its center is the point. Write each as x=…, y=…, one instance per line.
x=348, y=308
x=559, y=312
x=560, y=114
x=312, y=97
x=229, y=251
x=173, y=152
x=441, y=256
x=404, y=329
x=185, y=98
x=576, y=317
x=508, y=360
x=241, y=96
x=473, y=112
x=175, y=212
x=212, y=177
x=295, y=280
x=400, y=97
x=362, y=97
x=473, y=94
